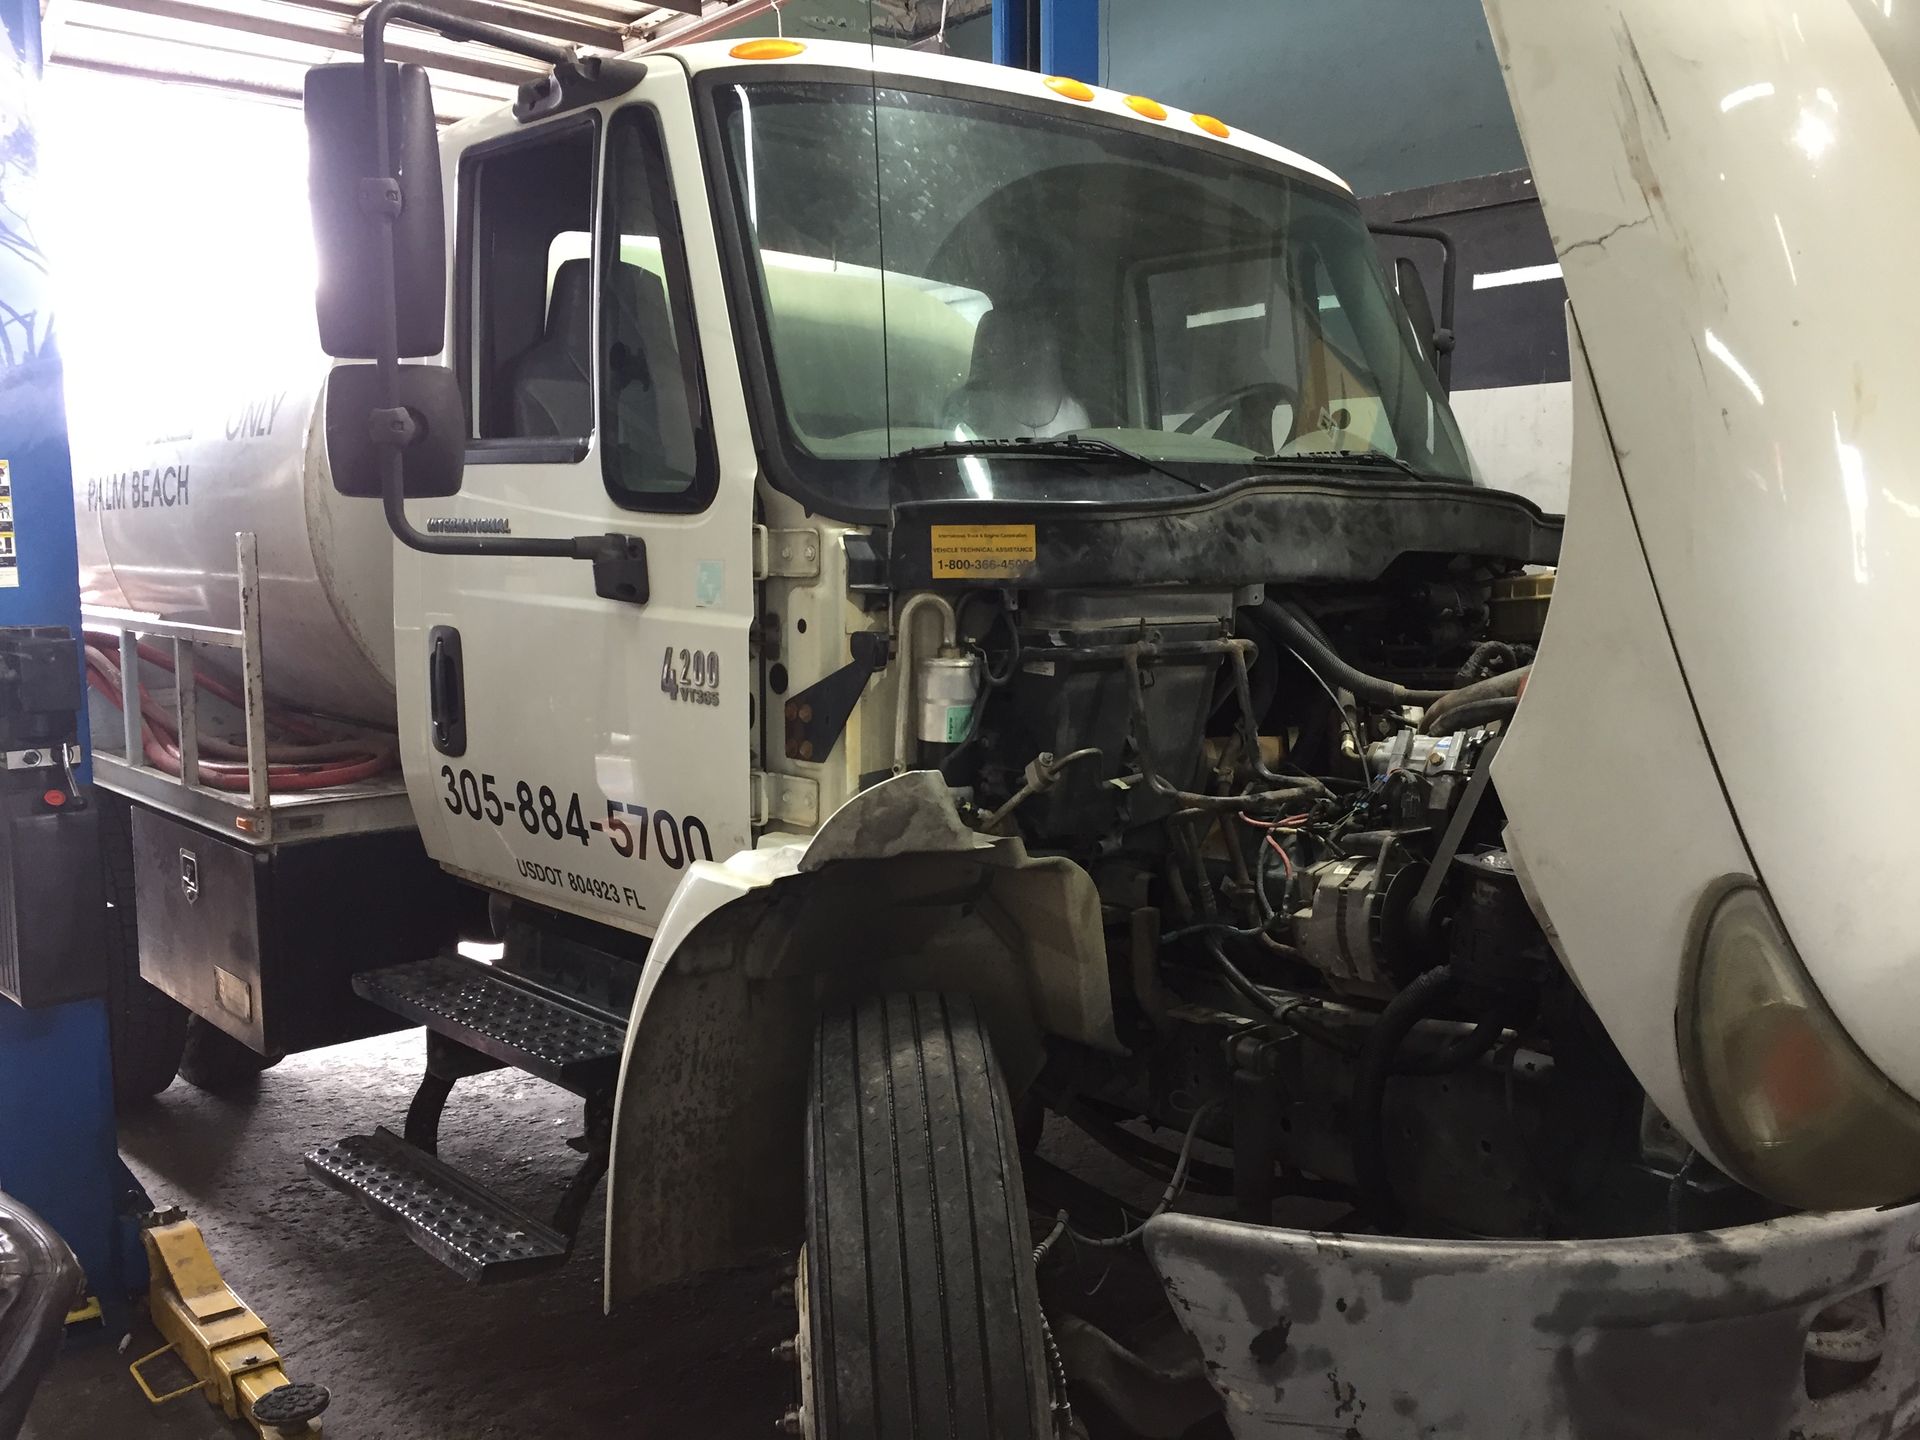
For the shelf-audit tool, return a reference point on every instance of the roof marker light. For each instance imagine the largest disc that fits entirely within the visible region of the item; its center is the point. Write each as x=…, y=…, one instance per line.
x=766, y=49
x=1068, y=86
x=1141, y=105
x=1216, y=128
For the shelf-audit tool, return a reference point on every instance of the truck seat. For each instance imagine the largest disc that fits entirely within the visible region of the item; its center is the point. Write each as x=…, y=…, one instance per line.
x=552, y=378
x=1015, y=386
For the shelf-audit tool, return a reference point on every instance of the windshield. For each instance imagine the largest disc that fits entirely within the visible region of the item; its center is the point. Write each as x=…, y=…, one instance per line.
x=932, y=269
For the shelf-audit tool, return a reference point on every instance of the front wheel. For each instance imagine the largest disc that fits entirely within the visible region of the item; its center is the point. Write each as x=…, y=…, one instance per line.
x=919, y=1311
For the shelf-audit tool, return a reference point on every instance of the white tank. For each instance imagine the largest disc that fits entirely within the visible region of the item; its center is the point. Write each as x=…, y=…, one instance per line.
x=157, y=521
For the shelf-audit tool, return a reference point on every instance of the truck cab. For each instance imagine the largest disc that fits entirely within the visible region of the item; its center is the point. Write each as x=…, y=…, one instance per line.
x=928, y=596
x=812, y=285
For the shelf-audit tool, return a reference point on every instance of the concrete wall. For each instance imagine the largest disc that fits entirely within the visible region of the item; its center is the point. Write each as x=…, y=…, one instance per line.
x=1389, y=93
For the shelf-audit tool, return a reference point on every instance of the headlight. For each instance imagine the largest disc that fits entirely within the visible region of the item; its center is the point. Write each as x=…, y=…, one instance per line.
x=1792, y=1108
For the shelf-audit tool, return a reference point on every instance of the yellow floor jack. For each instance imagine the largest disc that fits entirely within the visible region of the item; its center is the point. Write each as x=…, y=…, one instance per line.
x=219, y=1339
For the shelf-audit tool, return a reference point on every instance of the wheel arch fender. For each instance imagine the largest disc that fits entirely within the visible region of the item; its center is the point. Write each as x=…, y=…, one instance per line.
x=893, y=892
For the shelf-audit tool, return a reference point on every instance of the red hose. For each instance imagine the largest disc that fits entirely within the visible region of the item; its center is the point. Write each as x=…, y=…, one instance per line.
x=215, y=686
x=162, y=747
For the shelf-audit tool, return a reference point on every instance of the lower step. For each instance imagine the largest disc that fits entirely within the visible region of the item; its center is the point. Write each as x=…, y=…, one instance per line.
x=462, y=1224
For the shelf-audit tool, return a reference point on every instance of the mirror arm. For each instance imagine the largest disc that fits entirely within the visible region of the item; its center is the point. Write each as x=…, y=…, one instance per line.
x=619, y=561
x=1449, y=276
x=454, y=28
x=395, y=428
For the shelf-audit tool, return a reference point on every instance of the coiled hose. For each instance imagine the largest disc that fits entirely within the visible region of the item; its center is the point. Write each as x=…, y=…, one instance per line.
x=314, y=761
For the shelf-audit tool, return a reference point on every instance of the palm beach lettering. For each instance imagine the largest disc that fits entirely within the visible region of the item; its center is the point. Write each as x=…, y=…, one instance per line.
x=159, y=487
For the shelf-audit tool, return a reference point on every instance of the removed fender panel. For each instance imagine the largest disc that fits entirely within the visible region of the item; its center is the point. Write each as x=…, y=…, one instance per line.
x=894, y=894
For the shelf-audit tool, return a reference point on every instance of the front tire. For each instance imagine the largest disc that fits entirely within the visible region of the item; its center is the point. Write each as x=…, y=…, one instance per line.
x=920, y=1311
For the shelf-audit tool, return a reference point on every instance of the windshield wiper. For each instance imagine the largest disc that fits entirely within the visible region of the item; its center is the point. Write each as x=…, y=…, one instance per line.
x=1333, y=459
x=1079, y=447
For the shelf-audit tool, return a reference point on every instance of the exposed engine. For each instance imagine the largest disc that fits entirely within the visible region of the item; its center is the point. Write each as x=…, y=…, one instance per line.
x=1285, y=801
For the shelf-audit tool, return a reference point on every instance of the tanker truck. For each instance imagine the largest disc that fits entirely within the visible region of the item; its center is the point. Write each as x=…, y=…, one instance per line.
x=909, y=597
x=235, y=831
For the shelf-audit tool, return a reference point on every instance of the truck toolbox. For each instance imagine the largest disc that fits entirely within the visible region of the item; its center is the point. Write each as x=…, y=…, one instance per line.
x=261, y=941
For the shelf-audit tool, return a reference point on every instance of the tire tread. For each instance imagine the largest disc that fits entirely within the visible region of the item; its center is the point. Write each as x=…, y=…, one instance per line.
x=914, y=1180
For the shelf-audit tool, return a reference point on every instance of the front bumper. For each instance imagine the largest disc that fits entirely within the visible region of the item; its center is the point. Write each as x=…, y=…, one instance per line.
x=1710, y=1335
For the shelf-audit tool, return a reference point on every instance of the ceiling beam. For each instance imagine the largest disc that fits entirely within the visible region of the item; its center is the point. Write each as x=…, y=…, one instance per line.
x=175, y=77
x=620, y=12
x=53, y=15
x=604, y=35
x=713, y=21
x=290, y=92
x=460, y=60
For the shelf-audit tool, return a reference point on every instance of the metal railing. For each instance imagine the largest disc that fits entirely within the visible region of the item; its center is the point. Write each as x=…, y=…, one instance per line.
x=131, y=627
x=260, y=815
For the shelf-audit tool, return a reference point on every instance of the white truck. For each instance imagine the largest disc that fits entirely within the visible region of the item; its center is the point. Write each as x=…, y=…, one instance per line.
x=925, y=595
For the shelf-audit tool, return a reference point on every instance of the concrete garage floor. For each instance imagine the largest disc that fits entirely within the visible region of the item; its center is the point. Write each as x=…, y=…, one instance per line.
x=410, y=1352
x=408, y=1349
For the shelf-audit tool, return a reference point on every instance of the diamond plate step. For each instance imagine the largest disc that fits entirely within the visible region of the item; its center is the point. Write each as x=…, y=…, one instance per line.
x=503, y=1017
x=475, y=1233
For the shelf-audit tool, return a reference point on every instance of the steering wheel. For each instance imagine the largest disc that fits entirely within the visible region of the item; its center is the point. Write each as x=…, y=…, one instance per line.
x=1248, y=409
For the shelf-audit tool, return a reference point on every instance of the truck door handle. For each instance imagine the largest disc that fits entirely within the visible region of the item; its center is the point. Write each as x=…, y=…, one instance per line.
x=447, y=690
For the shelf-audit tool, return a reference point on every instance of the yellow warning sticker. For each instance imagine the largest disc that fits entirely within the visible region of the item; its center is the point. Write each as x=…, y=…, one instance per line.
x=981, y=552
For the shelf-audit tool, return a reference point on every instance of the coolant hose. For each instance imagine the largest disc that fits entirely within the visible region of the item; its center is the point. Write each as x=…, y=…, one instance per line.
x=1444, y=716
x=1407, y=1009
x=1304, y=639
x=1478, y=712
x=1489, y=657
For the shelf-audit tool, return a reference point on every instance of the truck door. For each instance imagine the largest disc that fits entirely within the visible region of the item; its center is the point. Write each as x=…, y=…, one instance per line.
x=576, y=750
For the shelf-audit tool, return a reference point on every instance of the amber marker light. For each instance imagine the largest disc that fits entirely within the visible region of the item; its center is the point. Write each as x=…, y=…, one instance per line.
x=766, y=49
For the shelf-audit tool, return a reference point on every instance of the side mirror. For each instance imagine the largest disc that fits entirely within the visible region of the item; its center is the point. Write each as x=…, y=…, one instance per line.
x=345, y=188
x=373, y=219
x=397, y=430
x=432, y=452
x=1436, y=340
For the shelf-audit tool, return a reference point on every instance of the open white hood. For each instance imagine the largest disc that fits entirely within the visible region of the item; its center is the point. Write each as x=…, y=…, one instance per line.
x=1733, y=187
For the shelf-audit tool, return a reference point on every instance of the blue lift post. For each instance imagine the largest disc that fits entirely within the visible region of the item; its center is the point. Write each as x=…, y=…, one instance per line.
x=58, y=1150
x=1058, y=37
